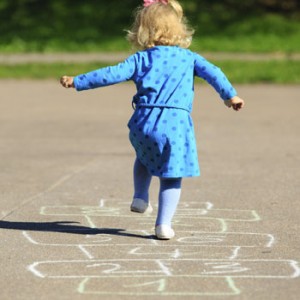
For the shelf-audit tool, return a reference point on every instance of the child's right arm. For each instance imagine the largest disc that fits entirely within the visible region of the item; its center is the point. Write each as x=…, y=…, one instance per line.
x=123, y=71
x=67, y=81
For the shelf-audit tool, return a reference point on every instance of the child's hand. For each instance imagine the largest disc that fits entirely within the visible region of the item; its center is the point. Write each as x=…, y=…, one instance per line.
x=236, y=103
x=67, y=81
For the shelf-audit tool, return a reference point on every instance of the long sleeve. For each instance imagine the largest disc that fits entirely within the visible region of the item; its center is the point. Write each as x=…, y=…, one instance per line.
x=215, y=77
x=123, y=71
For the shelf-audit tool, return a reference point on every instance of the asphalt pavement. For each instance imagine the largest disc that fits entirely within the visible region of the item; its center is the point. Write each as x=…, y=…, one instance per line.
x=66, y=186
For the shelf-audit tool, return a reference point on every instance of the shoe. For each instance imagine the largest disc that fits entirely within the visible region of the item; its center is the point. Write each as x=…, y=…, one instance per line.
x=141, y=206
x=164, y=232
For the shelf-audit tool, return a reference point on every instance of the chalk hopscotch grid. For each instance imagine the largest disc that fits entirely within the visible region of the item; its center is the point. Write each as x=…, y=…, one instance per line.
x=157, y=281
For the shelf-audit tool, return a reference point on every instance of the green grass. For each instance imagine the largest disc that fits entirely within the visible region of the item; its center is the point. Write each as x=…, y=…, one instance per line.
x=114, y=44
x=256, y=43
x=262, y=33
x=259, y=43
x=283, y=72
x=268, y=33
x=46, y=70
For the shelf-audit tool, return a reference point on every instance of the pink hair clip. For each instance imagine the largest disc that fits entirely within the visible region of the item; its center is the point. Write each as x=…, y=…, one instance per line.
x=149, y=2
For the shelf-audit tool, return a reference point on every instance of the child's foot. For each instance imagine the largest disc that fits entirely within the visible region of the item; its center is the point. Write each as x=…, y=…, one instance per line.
x=141, y=206
x=164, y=232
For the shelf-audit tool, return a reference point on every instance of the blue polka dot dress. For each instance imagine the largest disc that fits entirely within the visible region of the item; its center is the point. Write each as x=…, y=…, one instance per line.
x=161, y=127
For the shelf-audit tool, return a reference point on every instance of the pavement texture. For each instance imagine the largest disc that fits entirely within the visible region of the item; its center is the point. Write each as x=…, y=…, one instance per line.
x=23, y=58
x=66, y=186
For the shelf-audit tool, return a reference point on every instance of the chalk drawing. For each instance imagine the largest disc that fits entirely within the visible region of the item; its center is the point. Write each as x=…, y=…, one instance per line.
x=229, y=239
x=102, y=203
x=163, y=252
x=239, y=268
x=50, y=189
x=161, y=285
x=115, y=237
x=235, y=252
x=182, y=251
x=86, y=252
x=208, y=253
x=79, y=211
x=226, y=214
x=156, y=286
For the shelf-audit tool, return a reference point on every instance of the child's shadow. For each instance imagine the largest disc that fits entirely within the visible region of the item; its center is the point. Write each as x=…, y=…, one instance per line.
x=68, y=227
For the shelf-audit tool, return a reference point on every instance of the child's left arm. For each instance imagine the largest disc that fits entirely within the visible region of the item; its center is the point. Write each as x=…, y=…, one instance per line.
x=215, y=77
x=235, y=102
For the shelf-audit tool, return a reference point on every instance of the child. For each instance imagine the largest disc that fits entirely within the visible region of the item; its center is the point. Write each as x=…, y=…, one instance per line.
x=161, y=128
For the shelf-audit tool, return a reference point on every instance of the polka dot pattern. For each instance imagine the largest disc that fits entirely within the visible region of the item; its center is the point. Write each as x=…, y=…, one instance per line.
x=165, y=143
x=161, y=128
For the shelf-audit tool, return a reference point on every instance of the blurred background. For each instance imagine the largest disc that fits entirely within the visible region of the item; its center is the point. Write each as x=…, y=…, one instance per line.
x=268, y=27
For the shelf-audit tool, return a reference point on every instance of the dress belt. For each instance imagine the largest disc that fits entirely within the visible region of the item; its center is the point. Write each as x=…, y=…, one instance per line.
x=136, y=106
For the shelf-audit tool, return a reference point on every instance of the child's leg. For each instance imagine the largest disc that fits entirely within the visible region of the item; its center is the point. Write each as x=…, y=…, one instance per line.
x=142, y=180
x=169, y=196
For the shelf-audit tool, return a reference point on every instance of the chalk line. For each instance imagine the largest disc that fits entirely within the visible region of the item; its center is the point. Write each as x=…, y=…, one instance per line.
x=161, y=284
x=32, y=268
x=235, y=253
x=87, y=253
x=49, y=189
x=295, y=265
x=164, y=268
x=160, y=288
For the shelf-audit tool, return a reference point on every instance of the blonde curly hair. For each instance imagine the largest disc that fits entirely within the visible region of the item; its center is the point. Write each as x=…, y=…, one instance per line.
x=160, y=24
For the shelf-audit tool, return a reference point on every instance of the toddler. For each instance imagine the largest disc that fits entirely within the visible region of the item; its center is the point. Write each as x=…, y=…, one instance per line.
x=161, y=129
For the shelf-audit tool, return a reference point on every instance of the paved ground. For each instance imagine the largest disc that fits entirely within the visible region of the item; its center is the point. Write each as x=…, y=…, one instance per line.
x=118, y=56
x=66, y=229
